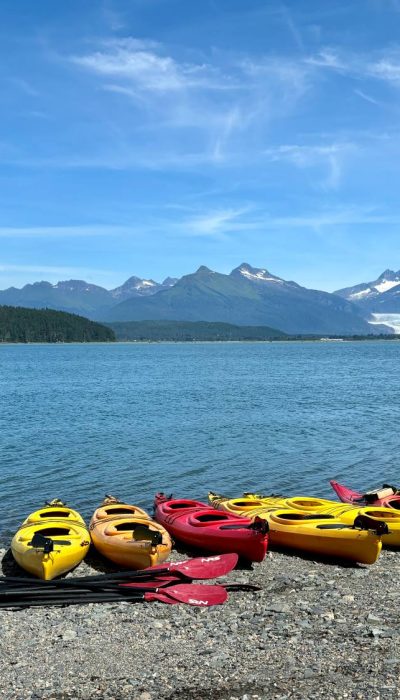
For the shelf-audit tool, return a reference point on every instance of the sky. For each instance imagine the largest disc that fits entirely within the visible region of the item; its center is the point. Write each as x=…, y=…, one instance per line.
x=149, y=137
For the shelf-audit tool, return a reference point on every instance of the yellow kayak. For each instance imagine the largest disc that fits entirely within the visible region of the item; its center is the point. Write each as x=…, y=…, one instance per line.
x=126, y=535
x=316, y=533
x=51, y=541
x=344, y=512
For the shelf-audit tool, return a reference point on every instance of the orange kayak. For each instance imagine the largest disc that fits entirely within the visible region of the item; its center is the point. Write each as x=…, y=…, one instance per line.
x=127, y=535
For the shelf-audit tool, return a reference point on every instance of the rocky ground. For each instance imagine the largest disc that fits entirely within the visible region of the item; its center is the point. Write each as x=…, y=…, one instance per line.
x=316, y=630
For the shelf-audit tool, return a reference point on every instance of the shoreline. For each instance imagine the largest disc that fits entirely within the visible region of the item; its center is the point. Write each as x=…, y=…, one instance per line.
x=390, y=339
x=315, y=630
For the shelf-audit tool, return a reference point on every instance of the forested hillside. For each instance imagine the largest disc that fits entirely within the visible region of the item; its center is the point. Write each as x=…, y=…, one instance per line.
x=191, y=331
x=20, y=325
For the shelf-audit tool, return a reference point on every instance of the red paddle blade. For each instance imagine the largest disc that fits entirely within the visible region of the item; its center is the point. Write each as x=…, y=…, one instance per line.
x=191, y=594
x=161, y=597
x=201, y=567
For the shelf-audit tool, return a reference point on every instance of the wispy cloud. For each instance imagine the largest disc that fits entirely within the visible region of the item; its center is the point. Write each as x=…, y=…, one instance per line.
x=63, y=231
x=340, y=217
x=329, y=156
x=219, y=100
x=293, y=28
x=220, y=223
x=151, y=70
x=366, y=97
x=25, y=86
x=327, y=58
x=386, y=69
x=53, y=270
x=214, y=223
x=383, y=65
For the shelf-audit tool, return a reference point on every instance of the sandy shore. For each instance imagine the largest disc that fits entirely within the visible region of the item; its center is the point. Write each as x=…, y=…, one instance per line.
x=316, y=630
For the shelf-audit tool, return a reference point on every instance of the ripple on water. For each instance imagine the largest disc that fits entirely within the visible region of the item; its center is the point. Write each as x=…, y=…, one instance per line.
x=79, y=421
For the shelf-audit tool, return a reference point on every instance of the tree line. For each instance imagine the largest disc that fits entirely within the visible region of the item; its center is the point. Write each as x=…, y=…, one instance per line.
x=22, y=325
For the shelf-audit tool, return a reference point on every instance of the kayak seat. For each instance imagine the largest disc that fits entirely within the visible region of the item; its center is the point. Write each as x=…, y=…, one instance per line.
x=204, y=519
x=57, y=542
x=303, y=516
x=210, y=518
x=247, y=504
x=112, y=529
x=333, y=526
x=54, y=531
x=394, y=504
x=45, y=544
x=139, y=531
x=119, y=509
x=180, y=505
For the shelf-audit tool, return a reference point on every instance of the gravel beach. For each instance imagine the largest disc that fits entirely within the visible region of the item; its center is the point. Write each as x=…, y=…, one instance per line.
x=315, y=630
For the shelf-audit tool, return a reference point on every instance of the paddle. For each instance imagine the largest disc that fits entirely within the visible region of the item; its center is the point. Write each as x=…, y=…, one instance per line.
x=37, y=588
x=190, y=594
x=197, y=568
x=106, y=588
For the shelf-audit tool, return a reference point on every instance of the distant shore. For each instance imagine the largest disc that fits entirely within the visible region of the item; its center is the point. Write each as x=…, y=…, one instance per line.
x=144, y=341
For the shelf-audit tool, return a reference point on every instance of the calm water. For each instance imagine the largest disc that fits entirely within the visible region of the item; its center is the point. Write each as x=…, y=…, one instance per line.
x=79, y=421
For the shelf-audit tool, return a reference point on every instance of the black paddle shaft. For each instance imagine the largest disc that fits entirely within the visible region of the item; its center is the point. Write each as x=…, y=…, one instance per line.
x=76, y=599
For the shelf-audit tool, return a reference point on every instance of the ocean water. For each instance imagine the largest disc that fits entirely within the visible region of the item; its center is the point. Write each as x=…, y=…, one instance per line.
x=79, y=421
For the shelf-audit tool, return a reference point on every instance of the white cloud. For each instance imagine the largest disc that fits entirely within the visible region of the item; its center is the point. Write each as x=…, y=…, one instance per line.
x=327, y=58
x=214, y=223
x=367, y=97
x=62, y=231
x=52, y=270
x=384, y=65
x=386, y=69
x=340, y=217
x=24, y=86
x=144, y=64
x=329, y=156
x=293, y=28
x=220, y=222
x=218, y=101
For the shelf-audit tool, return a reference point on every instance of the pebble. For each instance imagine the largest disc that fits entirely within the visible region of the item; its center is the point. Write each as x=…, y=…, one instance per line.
x=312, y=625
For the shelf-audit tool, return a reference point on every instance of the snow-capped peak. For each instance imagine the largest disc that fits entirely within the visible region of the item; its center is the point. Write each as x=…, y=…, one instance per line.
x=382, y=285
x=256, y=274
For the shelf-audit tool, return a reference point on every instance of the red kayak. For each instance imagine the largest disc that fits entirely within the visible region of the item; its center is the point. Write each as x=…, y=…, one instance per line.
x=387, y=496
x=198, y=525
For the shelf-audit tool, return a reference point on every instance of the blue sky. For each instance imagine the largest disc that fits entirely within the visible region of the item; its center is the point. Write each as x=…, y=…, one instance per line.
x=149, y=137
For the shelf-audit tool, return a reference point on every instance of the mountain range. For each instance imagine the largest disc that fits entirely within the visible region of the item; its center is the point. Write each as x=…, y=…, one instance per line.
x=378, y=300
x=380, y=296
x=80, y=297
x=246, y=296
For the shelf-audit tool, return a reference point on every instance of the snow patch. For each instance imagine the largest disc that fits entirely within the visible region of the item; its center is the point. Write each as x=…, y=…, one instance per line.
x=385, y=285
x=359, y=295
x=259, y=275
x=146, y=283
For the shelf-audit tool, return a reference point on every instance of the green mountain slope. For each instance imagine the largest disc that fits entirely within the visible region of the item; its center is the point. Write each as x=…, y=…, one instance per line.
x=191, y=331
x=248, y=296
